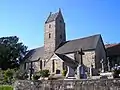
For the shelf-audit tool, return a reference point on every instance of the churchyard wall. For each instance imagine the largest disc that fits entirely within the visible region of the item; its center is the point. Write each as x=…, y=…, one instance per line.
x=100, y=84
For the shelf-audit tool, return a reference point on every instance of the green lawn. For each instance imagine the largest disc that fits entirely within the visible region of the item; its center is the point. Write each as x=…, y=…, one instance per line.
x=6, y=87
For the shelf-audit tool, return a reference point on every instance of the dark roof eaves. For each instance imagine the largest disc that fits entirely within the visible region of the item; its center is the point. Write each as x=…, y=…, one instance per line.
x=84, y=37
x=75, y=51
x=49, y=21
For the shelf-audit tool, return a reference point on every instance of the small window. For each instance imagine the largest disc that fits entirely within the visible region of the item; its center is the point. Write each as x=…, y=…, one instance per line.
x=49, y=25
x=53, y=66
x=41, y=64
x=57, y=71
x=60, y=21
x=60, y=36
x=44, y=63
x=49, y=35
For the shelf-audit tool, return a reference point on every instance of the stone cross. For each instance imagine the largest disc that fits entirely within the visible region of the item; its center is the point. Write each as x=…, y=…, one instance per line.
x=80, y=68
x=79, y=55
x=108, y=63
x=31, y=70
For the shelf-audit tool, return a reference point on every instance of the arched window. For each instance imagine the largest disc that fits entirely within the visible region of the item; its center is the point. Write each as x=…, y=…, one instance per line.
x=53, y=66
x=40, y=64
x=60, y=21
x=49, y=35
x=60, y=36
x=44, y=63
x=49, y=25
x=57, y=71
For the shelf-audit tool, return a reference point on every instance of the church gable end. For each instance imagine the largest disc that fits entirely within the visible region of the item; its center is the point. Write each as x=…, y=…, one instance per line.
x=100, y=53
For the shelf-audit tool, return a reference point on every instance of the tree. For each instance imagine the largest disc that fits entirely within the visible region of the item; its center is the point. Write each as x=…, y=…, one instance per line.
x=11, y=52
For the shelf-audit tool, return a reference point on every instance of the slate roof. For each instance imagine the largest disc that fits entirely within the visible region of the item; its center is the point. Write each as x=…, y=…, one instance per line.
x=87, y=43
x=113, y=49
x=52, y=17
x=35, y=54
x=68, y=61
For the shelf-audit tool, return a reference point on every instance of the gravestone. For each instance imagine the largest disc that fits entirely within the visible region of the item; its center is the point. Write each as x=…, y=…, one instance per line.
x=102, y=62
x=81, y=74
x=31, y=70
x=80, y=69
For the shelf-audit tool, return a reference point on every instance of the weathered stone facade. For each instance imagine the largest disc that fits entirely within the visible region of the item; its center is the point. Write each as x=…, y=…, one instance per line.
x=100, y=84
x=100, y=53
x=88, y=58
x=54, y=34
x=58, y=64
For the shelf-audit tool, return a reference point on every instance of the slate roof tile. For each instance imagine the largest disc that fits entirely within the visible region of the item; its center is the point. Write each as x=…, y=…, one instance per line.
x=87, y=43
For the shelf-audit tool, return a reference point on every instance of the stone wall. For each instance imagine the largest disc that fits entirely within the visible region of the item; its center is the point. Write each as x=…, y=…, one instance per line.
x=58, y=64
x=108, y=84
x=49, y=39
x=54, y=34
x=88, y=58
x=100, y=54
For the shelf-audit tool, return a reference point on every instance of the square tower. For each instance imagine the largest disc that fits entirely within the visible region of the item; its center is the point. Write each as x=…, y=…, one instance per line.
x=54, y=33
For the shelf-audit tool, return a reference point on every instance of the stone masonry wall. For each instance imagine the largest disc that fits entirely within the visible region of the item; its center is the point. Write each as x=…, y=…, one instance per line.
x=58, y=64
x=88, y=58
x=108, y=84
x=49, y=39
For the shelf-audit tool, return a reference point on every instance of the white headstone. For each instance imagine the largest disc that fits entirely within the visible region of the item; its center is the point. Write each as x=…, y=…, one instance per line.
x=102, y=62
x=70, y=72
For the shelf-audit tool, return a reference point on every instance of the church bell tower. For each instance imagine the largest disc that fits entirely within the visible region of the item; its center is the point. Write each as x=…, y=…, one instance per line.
x=54, y=33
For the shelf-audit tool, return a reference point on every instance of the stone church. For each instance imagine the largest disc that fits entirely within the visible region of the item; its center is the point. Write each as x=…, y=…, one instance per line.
x=57, y=54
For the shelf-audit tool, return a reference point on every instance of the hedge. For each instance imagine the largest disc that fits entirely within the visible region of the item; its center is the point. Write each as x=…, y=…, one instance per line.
x=6, y=87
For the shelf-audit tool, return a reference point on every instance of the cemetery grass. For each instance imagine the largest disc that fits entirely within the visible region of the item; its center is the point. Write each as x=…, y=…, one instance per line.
x=6, y=87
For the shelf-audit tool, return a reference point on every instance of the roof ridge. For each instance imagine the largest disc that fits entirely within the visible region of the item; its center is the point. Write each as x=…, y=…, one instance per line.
x=37, y=48
x=52, y=17
x=85, y=37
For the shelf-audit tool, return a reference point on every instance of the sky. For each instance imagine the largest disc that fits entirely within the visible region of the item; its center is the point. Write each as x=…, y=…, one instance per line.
x=25, y=19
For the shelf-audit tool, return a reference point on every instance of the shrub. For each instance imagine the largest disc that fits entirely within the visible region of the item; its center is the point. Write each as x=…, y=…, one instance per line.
x=1, y=75
x=36, y=77
x=21, y=76
x=116, y=73
x=64, y=72
x=8, y=75
x=18, y=75
x=44, y=73
x=6, y=87
x=26, y=76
